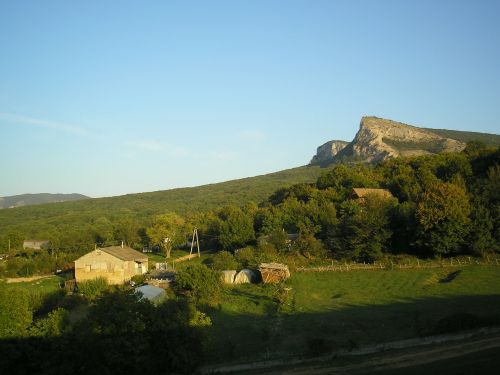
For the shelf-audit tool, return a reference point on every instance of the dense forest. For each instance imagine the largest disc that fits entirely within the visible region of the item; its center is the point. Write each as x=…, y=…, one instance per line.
x=442, y=205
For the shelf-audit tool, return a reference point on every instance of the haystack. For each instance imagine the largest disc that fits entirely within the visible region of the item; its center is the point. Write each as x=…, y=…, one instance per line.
x=245, y=276
x=228, y=276
x=274, y=272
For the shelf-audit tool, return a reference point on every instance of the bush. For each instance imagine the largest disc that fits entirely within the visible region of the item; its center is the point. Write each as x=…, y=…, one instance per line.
x=224, y=260
x=199, y=282
x=53, y=325
x=15, y=313
x=309, y=246
x=247, y=257
x=138, y=279
x=92, y=289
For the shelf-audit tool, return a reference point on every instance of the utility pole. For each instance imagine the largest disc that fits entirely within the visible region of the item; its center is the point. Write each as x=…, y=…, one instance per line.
x=195, y=235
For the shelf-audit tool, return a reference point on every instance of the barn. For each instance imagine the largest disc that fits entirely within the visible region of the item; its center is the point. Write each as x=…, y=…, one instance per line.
x=117, y=264
x=360, y=194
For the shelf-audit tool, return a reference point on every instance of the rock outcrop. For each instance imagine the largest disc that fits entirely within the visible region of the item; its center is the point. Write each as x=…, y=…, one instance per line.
x=379, y=139
x=327, y=151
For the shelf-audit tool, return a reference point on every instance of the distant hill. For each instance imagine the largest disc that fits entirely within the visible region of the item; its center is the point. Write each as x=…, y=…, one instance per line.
x=379, y=139
x=41, y=198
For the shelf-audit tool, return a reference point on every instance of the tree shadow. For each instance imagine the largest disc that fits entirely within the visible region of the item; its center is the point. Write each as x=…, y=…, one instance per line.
x=280, y=333
x=450, y=277
x=239, y=336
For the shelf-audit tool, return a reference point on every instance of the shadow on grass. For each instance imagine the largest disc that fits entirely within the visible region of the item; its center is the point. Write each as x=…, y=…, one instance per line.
x=245, y=337
x=450, y=277
x=275, y=333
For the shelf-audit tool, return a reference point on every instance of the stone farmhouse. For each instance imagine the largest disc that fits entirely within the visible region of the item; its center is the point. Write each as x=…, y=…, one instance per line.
x=117, y=264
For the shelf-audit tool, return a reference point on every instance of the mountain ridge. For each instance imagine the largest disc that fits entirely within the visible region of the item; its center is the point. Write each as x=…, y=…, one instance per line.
x=21, y=200
x=379, y=139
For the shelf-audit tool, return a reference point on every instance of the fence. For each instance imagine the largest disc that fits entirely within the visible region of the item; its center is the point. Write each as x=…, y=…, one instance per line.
x=390, y=265
x=168, y=266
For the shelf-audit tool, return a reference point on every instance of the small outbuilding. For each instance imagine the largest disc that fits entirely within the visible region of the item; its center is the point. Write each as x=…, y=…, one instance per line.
x=245, y=276
x=274, y=272
x=360, y=194
x=36, y=244
x=228, y=276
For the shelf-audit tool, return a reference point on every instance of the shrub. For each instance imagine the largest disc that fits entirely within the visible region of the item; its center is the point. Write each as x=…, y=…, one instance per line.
x=224, y=260
x=92, y=289
x=200, y=283
x=138, y=279
x=15, y=312
x=309, y=246
x=53, y=325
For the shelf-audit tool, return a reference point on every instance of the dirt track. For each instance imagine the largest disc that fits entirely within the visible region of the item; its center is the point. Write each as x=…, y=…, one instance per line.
x=395, y=355
x=26, y=279
x=398, y=360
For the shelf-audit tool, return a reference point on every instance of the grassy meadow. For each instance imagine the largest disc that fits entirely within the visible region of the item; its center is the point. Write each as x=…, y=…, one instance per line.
x=42, y=286
x=333, y=310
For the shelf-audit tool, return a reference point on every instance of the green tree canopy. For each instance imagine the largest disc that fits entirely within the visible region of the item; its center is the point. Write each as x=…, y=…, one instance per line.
x=167, y=231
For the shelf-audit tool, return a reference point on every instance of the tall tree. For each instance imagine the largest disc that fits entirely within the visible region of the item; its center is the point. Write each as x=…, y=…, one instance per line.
x=236, y=228
x=443, y=218
x=167, y=231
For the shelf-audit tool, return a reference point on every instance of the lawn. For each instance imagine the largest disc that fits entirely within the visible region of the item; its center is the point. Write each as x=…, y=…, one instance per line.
x=333, y=310
x=43, y=286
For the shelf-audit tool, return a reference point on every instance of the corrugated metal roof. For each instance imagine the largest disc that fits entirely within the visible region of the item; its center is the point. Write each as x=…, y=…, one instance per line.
x=150, y=292
x=125, y=253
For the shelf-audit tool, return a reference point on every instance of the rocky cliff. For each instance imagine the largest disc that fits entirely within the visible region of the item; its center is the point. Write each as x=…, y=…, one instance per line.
x=379, y=139
x=327, y=151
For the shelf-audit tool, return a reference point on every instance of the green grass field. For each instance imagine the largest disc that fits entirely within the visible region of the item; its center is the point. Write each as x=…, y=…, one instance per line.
x=332, y=310
x=43, y=286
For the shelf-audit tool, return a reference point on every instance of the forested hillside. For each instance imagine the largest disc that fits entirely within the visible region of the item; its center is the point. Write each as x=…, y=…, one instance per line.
x=441, y=205
x=74, y=222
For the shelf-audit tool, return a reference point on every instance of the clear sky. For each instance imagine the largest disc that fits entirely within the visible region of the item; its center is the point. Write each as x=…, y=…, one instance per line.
x=112, y=97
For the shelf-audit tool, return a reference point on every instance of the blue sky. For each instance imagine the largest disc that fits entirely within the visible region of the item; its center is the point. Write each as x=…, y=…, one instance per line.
x=112, y=97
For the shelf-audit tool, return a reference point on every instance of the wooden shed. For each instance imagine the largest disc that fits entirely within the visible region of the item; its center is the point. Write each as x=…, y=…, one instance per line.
x=361, y=193
x=274, y=272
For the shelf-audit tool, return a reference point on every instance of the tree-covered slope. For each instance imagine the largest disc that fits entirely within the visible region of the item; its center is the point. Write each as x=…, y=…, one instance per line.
x=142, y=206
x=463, y=136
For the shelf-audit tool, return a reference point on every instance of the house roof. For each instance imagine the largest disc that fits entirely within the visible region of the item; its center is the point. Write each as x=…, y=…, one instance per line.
x=124, y=253
x=363, y=192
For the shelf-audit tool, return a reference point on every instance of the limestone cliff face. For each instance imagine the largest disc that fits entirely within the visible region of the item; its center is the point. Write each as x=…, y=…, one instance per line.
x=327, y=151
x=379, y=139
